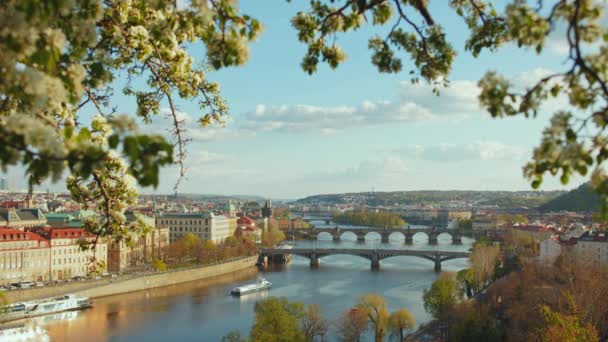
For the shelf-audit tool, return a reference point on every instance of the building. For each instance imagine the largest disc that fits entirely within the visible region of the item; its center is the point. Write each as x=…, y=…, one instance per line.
x=24, y=256
x=138, y=252
x=21, y=218
x=592, y=248
x=549, y=249
x=246, y=227
x=68, y=260
x=205, y=225
x=3, y=184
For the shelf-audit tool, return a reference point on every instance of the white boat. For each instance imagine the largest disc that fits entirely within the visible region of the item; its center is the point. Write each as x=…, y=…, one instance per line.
x=44, y=307
x=261, y=284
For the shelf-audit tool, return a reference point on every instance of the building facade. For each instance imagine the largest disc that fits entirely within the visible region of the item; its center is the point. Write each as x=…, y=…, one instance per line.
x=24, y=256
x=592, y=248
x=68, y=260
x=205, y=225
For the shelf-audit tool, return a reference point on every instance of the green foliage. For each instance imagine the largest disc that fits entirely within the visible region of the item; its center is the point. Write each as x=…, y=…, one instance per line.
x=465, y=225
x=472, y=323
x=272, y=237
x=369, y=218
x=277, y=320
x=234, y=336
x=442, y=296
x=58, y=62
x=567, y=327
x=581, y=199
x=159, y=265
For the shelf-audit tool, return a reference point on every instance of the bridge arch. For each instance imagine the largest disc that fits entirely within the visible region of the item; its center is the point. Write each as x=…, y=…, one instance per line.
x=396, y=236
x=324, y=236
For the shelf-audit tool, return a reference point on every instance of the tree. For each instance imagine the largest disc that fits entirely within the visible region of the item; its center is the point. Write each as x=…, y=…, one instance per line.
x=351, y=325
x=484, y=259
x=374, y=306
x=566, y=327
x=277, y=320
x=159, y=265
x=272, y=237
x=58, y=63
x=565, y=147
x=234, y=336
x=313, y=324
x=401, y=322
x=442, y=295
x=191, y=244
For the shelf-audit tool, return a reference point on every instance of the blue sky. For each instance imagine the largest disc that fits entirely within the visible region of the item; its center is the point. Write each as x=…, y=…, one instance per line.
x=353, y=129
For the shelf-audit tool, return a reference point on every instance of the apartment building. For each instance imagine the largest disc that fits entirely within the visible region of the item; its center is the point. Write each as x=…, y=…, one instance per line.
x=205, y=225
x=24, y=256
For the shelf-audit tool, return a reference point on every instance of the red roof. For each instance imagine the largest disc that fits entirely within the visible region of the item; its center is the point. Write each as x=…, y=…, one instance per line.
x=245, y=220
x=532, y=228
x=11, y=204
x=62, y=233
x=16, y=234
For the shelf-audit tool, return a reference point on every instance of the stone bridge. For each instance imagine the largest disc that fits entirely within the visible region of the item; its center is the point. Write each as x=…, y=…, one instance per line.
x=408, y=233
x=374, y=255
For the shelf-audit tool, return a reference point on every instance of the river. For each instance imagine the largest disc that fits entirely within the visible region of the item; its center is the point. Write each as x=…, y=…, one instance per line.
x=204, y=310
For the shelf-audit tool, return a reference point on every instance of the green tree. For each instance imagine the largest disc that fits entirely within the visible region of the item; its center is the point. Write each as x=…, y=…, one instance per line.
x=400, y=323
x=374, y=306
x=567, y=327
x=277, y=320
x=58, y=62
x=443, y=294
x=234, y=336
x=159, y=265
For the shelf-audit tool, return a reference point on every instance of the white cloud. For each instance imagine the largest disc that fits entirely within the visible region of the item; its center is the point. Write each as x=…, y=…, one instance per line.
x=480, y=150
x=367, y=170
x=415, y=103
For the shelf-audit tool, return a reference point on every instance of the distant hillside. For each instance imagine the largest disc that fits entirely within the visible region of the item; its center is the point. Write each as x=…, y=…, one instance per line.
x=581, y=199
x=501, y=199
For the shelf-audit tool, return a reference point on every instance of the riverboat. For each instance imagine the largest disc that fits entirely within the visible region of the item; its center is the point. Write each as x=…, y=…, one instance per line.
x=260, y=285
x=42, y=307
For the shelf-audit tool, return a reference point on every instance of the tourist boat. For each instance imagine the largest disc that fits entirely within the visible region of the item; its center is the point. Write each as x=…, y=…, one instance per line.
x=44, y=307
x=261, y=284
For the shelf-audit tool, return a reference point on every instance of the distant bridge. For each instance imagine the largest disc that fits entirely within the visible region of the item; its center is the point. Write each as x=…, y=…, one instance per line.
x=374, y=255
x=408, y=233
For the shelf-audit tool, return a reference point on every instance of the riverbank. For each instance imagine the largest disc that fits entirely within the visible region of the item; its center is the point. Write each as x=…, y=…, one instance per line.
x=136, y=282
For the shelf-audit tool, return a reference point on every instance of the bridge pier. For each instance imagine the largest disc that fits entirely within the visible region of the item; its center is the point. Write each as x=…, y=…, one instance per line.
x=385, y=237
x=262, y=260
x=314, y=260
x=409, y=239
x=456, y=239
x=327, y=221
x=360, y=237
x=437, y=262
x=375, y=261
x=433, y=239
x=335, y=237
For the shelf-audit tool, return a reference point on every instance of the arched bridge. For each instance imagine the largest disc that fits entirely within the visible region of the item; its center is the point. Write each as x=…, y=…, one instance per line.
x=408, y=233
x=374, y=255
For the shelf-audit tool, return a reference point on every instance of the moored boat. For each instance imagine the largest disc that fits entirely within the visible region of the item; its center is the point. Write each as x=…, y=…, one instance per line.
x=44, y=307
x=261, y=284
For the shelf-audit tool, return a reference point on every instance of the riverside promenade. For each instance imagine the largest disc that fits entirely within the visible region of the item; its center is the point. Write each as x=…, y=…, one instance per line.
x=134, y=282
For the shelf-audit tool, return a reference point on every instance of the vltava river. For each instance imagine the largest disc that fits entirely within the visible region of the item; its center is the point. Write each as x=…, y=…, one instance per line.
x=204, y=310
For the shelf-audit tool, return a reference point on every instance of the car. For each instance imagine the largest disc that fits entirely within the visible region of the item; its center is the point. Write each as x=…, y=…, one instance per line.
x=78, y=278
x=26, y=284
x=39, y=284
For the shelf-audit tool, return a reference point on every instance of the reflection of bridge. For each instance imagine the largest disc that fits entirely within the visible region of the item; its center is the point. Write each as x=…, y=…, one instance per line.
x=374, y=255
x=408, y=233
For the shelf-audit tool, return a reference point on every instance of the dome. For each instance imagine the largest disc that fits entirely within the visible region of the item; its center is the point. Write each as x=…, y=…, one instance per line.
x=229, y=206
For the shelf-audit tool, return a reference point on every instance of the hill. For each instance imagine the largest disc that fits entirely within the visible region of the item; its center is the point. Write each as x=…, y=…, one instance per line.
x=501, y=199
x=581, y=199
